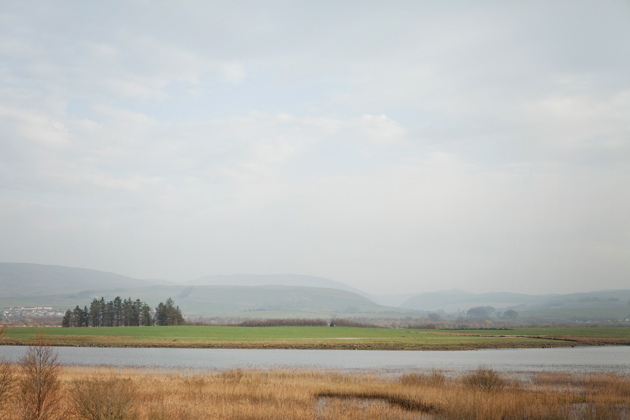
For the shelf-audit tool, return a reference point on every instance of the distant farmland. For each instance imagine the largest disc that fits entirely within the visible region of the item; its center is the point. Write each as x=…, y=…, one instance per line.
x=320, y=337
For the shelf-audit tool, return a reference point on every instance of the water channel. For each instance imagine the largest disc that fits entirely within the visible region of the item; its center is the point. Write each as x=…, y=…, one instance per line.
x=577, y=359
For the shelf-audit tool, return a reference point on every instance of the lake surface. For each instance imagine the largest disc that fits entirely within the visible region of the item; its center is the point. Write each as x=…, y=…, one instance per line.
x=567, y=359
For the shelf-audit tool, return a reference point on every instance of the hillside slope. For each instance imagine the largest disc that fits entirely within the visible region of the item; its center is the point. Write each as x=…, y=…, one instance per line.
x=458, y=299
x=273, y=280
x=596, y=306
x=208, y=300
x=215, y=300
x=20, y=279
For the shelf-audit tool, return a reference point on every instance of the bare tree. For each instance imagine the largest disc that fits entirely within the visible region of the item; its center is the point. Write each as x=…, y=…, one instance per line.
x=39, y=386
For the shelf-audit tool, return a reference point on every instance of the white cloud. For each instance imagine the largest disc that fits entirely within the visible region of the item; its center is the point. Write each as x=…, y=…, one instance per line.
x=420, y=147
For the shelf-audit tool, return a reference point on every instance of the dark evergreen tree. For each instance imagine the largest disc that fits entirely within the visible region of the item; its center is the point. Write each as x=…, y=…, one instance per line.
x=168, y=314
x=160, y=314
x=65, y=322
x=126, y=312
x=147, y=320
x=102, y=306
x=94, y=311
x=77, y=317
x=118, y=312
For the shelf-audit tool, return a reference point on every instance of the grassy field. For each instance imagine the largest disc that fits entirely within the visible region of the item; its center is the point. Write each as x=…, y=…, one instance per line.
x=320, y=337
x=602, y=332
x=88, y=393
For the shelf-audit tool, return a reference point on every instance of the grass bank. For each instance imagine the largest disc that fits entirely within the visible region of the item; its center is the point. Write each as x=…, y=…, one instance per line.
x=319, y=337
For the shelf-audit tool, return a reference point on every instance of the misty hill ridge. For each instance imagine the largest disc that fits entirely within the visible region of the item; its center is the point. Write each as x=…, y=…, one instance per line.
x=63, y=287
x=38, y=285
x=298, y=280
x=453, y=300
x=216, y=299
x=23, y=279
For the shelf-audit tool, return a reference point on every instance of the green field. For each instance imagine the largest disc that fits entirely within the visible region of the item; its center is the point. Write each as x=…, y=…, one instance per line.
x=595, y=332
x=319, y=337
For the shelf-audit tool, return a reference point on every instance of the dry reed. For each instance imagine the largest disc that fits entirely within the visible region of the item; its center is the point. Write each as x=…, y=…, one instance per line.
x=313, y=394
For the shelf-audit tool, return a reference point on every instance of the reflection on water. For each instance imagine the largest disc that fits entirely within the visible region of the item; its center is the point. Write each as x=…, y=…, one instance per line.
x=614, y=358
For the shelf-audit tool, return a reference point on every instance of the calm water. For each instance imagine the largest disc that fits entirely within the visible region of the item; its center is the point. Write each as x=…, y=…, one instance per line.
x=582, y=359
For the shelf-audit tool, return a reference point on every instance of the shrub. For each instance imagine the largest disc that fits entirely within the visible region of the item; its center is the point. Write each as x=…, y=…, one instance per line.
x=105, y=399
x=433, y=378
x=484, y=379
x=39, y=387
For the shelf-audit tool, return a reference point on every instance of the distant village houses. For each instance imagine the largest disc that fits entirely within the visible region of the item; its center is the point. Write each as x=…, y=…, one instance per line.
x=29, y=312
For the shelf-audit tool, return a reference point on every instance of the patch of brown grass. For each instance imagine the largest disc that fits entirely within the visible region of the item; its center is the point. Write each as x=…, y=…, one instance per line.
x=484, y=379
x=312, y=394
x=433, y=377
x=109, y=398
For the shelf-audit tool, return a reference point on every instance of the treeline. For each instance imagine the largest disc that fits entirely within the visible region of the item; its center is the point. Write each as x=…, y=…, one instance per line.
x=342, y=322
x=123, y=313
x=288, y=322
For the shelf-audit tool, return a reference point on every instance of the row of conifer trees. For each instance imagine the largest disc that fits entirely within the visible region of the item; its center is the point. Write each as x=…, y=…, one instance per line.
x=123, y=313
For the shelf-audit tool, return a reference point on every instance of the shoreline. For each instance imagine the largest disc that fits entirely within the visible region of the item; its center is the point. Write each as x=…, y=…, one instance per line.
x=377, y=346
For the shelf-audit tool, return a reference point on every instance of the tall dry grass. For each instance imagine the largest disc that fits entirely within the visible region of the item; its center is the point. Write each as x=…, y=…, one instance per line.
x=109, y=398
x=108, y=394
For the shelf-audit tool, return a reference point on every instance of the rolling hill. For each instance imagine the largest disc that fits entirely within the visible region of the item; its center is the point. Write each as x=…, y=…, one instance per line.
x=273, y=280
x=596, y=306
x=215, y=300
x=20, y=279
x=64, y=287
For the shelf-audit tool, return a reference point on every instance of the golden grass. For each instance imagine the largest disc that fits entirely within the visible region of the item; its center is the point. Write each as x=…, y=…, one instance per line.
x=313, y=394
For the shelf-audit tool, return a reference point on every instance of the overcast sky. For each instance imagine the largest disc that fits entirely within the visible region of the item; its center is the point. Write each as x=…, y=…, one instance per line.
x=398, y=147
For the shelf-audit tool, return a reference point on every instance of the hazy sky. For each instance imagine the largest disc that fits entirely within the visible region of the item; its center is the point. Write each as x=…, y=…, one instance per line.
x=394, y=146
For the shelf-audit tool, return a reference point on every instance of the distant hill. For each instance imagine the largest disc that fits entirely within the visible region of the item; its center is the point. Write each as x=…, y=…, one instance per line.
x=64, y=287
x=453, y=300
x=216, y=300
x=597, y=305
x=209, y=300
x=273, y=280
x=20, y=279
x=294, y=280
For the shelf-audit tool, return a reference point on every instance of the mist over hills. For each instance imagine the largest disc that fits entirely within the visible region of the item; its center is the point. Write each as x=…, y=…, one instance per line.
x=273, y=280
x=294, y=280
x=23, y=279
x=603, y=305
x=452, y=300
x=63, y=287
x=206, y=300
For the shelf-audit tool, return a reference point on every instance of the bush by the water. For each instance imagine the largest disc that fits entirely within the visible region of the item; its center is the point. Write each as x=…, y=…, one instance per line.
x=484, y=379
x=431, y=378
